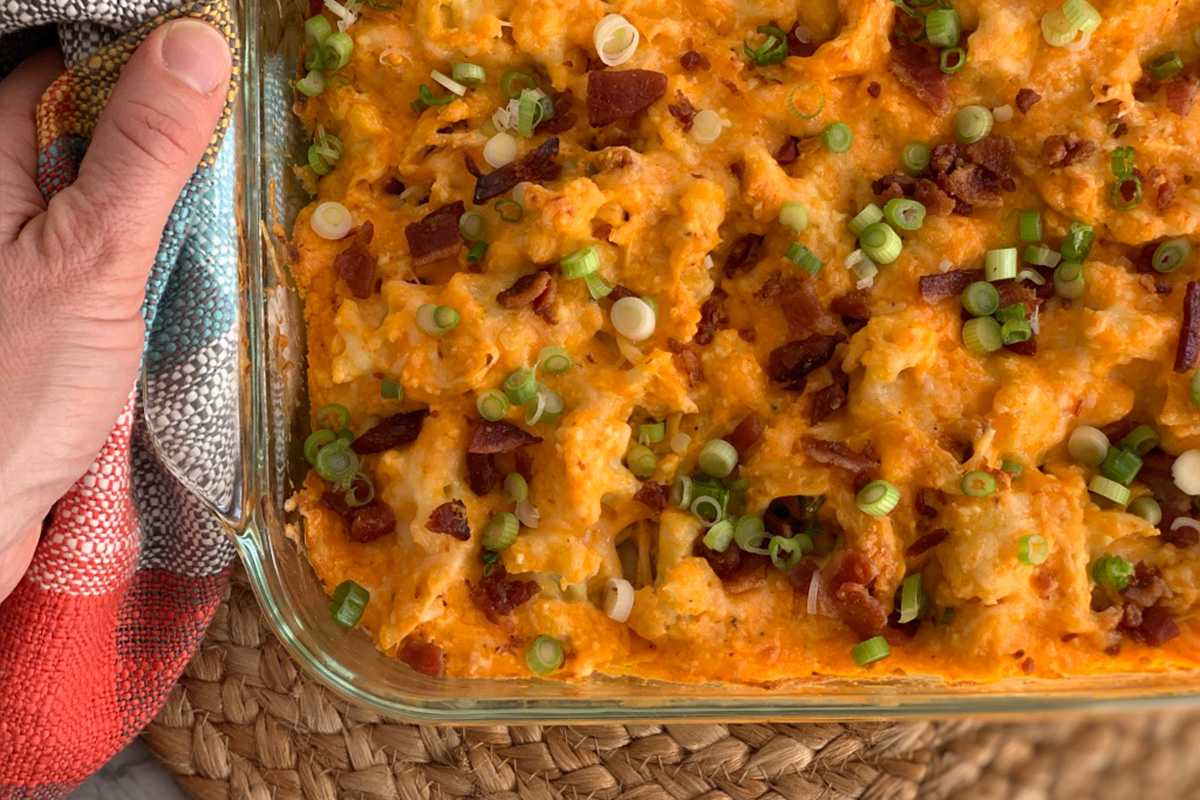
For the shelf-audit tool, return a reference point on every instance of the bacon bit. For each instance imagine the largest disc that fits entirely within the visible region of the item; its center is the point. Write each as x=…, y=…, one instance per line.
x=947, y=284
x=788, y=152
x=745, y=434
x=497, y=597
x=943, y=157
x=1025, y=348
x=601, y=230
x=653, y=496
x=994, y=153
x=369, y=522
x=798, y=302
x=738, y=169
x=1116, y=431
x=1156, y=475
x=798, y=48
x=856, y=607
x=356, y=265
x=927, y=507
x=1189, y=332
x=854, y=305
x=793, y=361
x=394, y=186
x=1182, y=91
x=544, y=302
x=926, y=543
x=525, y=290
x=740, y=254
x=975, y=185
x=1013, y=291
x=564, y=117
x=739, y=571
x=450, y=518
x=499, y=437
x=1146, y=588
x=537, y=167
x=428, y=659
x=682, y=110
x=619, y=94
x=619, y=292
x=826, y=401
x=687, y=361
x=1152, y=625
x=1027, y=99
x=723, y=564
x=893, y=186
x=731, y=86
x=1044, y=583
x=481, y=473
x=1166, y=193
x=837, y=454
x=435, y=237
x=523, y=463
x=1063, y=150
x=712, y=316
x=1027, y=666
x=1067, y=638
x=396, y=430
x=919, y=72
x=692, y=61
x=873, y=89
x=801, y=576
x=936, y=202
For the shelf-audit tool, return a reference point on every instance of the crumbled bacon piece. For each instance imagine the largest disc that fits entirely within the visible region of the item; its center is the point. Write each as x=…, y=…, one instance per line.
x=543, y=304
x=1189, y=331
x=1165, y=194
x=994, y=153
x=943, y=157
x=855, y=304
x=435, y=237
x=537, y=167
x=1026, y=99
x=482, y=474
x=356, y=265
x=918, y=71
x=798, y=302
x=936, y=202
x=712, y=316
x=826, y=401
x=791, y=362
x=845, y=580
x=619, y=94
x=788, y=152
x=926, y=543
x=692, y=61
x=497, y=596
x=396, y=430
x=739, y=571
x=947, y=284
x=974, y=184
x=428, y=659
x=837, y=454
x=1182, y=90
x=653, y=496
x=564, y=117
x=1025, y=348
x=682, y=110
x=687, y=360
x=369, y=522
x=450, y=518
x=1063, y=150
x=740, y=254
x=893, y=186
x=873, y=89
x=499, y=437
x=525, y=290
x=1156, y=475
x=745, y=434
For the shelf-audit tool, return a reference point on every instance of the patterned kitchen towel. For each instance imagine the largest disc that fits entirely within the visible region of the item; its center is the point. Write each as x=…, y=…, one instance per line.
x=130, y=567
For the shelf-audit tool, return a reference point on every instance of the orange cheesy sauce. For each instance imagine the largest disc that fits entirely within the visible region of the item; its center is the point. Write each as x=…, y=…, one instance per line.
x=662, y=211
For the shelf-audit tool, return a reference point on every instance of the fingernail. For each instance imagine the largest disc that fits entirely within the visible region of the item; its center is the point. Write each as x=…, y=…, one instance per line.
x=196, y=53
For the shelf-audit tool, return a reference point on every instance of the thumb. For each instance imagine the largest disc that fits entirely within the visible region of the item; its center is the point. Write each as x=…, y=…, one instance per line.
x=159, y=119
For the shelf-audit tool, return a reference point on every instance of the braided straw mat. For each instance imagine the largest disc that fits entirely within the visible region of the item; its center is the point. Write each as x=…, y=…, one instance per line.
x=245, y=723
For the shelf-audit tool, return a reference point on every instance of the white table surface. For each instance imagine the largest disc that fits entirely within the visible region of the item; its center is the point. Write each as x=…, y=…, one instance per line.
x=133, y=774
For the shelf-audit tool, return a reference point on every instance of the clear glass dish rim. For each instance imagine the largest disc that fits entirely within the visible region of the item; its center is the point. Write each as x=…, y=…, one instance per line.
x=545, y=701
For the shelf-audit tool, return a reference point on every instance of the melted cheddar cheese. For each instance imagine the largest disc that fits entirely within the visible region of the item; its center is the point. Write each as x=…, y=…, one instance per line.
x=662, y=212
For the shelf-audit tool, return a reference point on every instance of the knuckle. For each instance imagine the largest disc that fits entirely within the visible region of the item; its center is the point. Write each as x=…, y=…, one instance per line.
x=157, y=135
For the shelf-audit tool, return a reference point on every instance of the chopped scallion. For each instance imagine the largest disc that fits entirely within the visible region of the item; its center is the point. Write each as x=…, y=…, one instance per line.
x=513, y=82
x=1041, y=256
x=719, y=536
x=913, y=600
x=1088, y=445
x=915, y=158
x=881, y=244
x=1147, y=508
x=981, y=299
x=1112, y=572
x=555, y=359
x=509, y=210
x=1078, y=242
x=348, y=602
x=1031, y=225
x=982, y=335
x=717, y=458
x=952, y=60
x=1068, y=280
x=943, y=27
x=786, y=553
x=1141, y=440
x=1000, y=264
x=877, y=498
x=1121, y=465
x=972, y=123
x=544, y=655
x=905, y=214
x=336, y=50
x=651, y=432
x=870, y=651
x=794, y=216
x=641, y=461
x=391, y=390
x=1033, y=549
x=802, y=257
x=579, y=263
x=865, y=218
x=1109, y=489
x=752, y=536
x=468, y=74
x=1171, y=254
x=837, y=137
x=492, y=405
x=520, y=386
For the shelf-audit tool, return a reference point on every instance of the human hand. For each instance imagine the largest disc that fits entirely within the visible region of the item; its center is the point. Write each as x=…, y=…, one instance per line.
x=73, y=271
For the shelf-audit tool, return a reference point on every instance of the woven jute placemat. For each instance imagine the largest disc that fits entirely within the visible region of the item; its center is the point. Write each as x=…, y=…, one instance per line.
x=246, y=723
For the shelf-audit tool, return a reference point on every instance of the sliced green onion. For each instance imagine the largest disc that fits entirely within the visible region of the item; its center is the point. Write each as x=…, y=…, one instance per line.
x=1109, y=489
x=448, y=83
x=345, y=435
x=1068, y=280
x=681, y=492
x=802, y=257
x=311, y=84
x=972, y=123
x=1147, y=508
x=1171, y=254
x=615, y=39
x=912, y=599
x=1141, y=440
x=641, y=461
x=315, y=441
x=468, y=74
x=335, y=417
x=1082, y=14
x=651, y=432
x=527, y=109
x=596, y=285
x=391, y=390
x=348, y=602
x=1195, y=388
x=1078, y=242
x=881, y=244
x=708, y=509
x=1016, y=331
x=977, y=483
x=336, y=462
x=864, y=268
x=943, y=27
x=982, y=335
x=555, y=359
x=336, y=50
x=426, y=98
x=1031, y=275
x=520, y=386
x=752, y=536
x=317, y=28
x=501, y=530
x=1088, y=445
x=546, y=407
x=509, y=210
x=952, y=60
x=473, y=226
x=1057, y=28
x=579, y=263
x=874, y=649
x=877, y=498
x=1121, y=465
x=1031, y=225
x=318, y=162
x=719, y=536
x=793, y=216
x=477, y=252
x=544, y=655
x=360, y=490
x=1122, y=161
x=786, y=553
x=1033, y=549
x=492, y=405
x=633, y=318
x=865, y=219
x=1000, y=264
x=795, y=111
x=437, y=320
x=772, y=51
x=981, y=299
x=516, y=488
x=717, y=458
x=904, y=214
x=513, y=82
x=915, y=158
x=1112, y=572
x=1124, y=198
x=1012, y=467
x=837, y=137
x=1041, y=256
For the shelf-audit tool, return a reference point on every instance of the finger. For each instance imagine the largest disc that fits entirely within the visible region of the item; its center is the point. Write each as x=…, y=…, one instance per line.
x=148, y=140
x=20, y=199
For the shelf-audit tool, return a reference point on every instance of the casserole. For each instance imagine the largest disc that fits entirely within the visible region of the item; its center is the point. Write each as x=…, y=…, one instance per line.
x=275, y=427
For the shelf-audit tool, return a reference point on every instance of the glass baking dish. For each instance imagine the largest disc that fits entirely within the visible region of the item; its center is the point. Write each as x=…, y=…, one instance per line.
x=266, y=527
